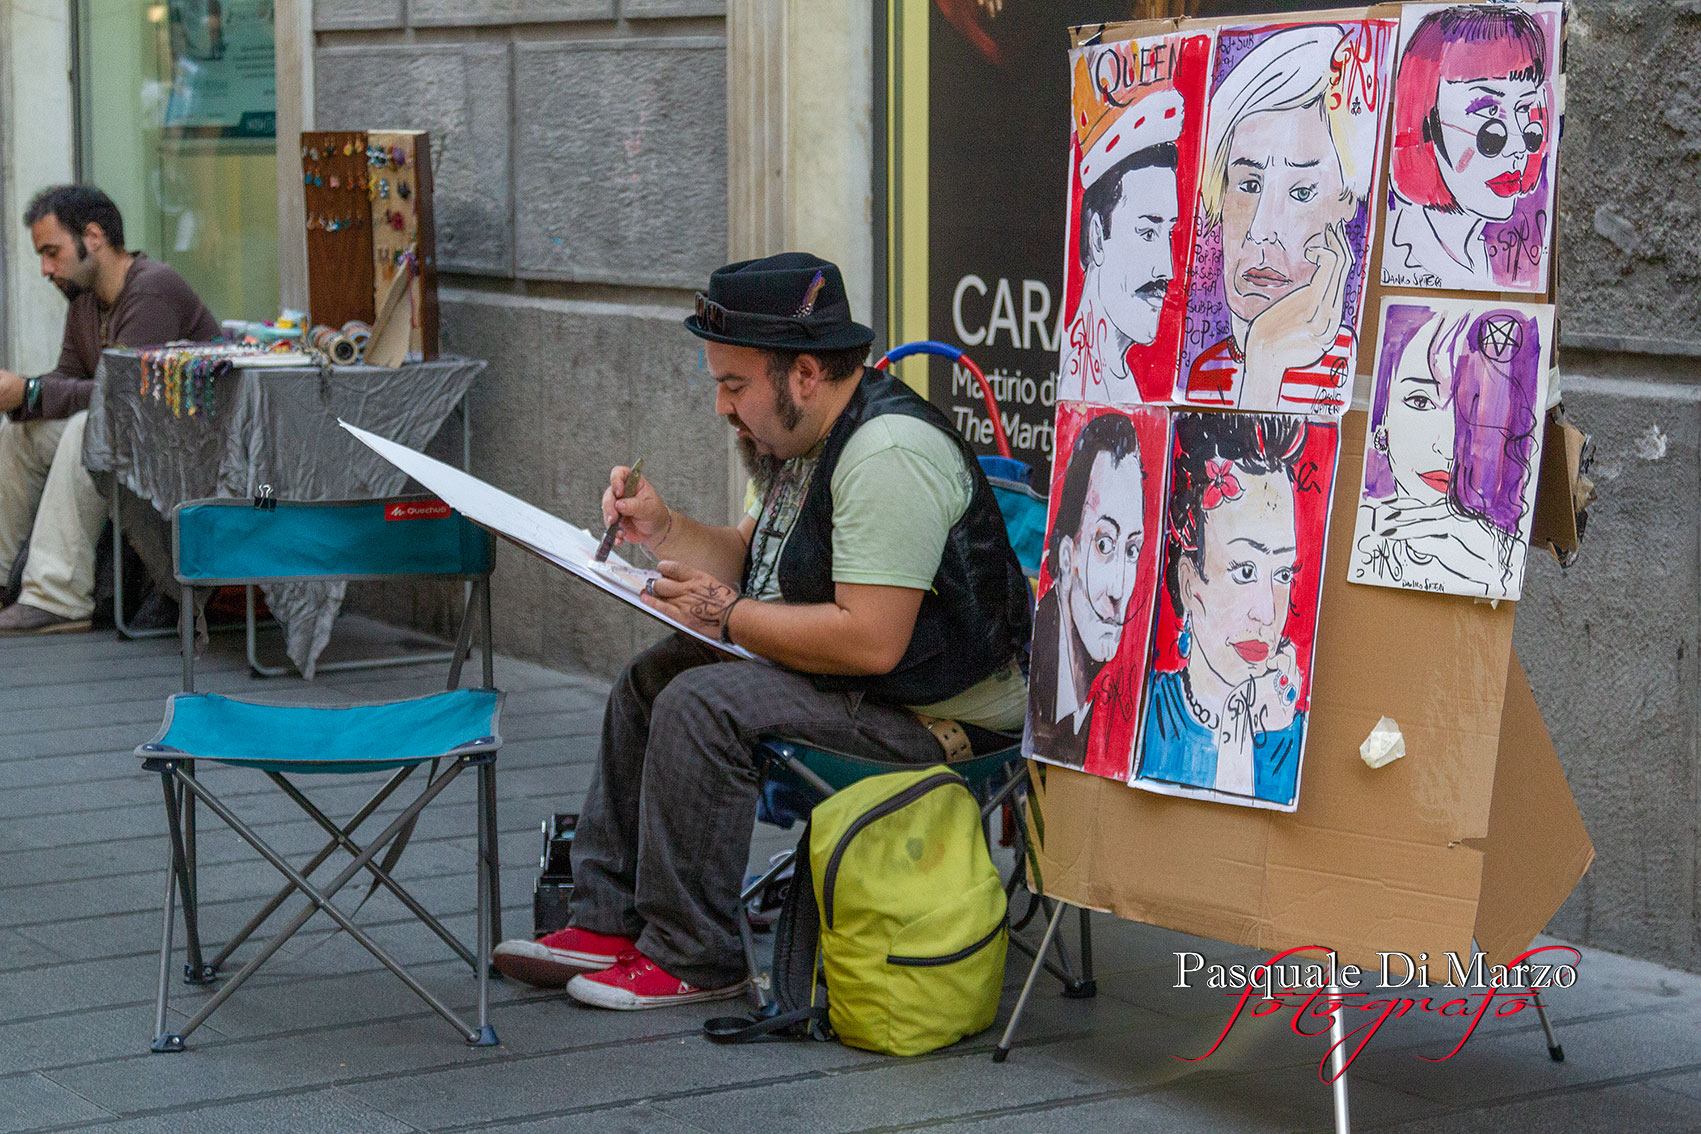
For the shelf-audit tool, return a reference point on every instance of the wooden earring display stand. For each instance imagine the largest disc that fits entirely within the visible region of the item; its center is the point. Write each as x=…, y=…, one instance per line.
x=339, y=227
x=404, y=248
x=371, y=238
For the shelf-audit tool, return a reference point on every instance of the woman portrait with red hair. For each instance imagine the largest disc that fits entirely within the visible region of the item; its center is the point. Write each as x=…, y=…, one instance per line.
x=1471, y=197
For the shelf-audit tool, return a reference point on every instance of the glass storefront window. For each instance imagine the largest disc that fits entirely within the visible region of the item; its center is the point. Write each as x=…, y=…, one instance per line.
x=177, y=110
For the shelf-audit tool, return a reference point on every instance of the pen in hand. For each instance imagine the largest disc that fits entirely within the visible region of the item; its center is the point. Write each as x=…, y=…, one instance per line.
x=633, y=479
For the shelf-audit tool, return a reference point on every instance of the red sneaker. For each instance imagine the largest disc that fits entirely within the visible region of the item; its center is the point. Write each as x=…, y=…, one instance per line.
x=635, y=981
x=554, y=959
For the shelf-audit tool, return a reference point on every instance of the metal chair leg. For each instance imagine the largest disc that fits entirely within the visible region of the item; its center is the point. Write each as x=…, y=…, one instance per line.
x=1555, y=1049
x=1002, y=1051
x=495, y=857
x=1338, y=1064
x=486, y=1036
x=1089, y=986
x=758, y=979
x=325, y=852
x=118, y=623
x=380, y=875
x=164, y=1041
x=194, y=970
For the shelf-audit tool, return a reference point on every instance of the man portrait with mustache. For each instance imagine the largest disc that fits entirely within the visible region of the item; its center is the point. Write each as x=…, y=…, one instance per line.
x=1093, y=556
x=1129, y=210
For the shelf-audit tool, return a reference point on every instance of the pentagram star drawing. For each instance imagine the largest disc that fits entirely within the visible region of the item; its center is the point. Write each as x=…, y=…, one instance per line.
x=1500, y=337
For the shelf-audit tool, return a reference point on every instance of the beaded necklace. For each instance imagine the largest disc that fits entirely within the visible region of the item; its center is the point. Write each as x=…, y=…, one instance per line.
x=1208, y=719
x=781, y=505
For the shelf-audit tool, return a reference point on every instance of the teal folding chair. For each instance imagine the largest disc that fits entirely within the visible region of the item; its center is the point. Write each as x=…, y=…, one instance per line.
x=226, y=542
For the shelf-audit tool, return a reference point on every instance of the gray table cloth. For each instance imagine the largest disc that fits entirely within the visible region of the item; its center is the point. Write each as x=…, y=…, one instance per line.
x=273, y=426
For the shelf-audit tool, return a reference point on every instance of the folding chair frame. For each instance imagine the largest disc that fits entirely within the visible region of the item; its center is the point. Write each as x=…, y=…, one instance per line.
x=183, y=791
x=1080, y=986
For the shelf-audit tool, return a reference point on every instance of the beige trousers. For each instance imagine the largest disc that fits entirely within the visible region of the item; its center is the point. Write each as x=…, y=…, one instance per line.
x=47, y=496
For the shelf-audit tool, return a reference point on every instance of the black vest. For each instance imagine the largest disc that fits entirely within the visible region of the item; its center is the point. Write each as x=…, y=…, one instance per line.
x=973, y=621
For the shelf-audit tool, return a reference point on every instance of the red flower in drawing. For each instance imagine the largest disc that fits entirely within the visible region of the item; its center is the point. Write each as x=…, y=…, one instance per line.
x=1222, y=485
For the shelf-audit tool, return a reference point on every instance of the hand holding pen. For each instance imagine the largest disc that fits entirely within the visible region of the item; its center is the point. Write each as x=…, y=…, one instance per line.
x=636, y=514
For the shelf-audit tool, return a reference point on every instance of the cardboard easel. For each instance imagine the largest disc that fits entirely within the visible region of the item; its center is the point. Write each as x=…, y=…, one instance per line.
x=1472, y=839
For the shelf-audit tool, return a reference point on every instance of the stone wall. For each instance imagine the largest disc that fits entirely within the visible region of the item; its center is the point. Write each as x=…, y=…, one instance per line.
x=1610, y=644
x=580, y=161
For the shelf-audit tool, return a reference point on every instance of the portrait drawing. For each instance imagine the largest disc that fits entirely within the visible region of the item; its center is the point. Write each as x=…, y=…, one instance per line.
x=1453, y=446
x=1138, y=110
x=1229, y=684
x=1276, y=284
x=1470, y=201
x=1097, y=585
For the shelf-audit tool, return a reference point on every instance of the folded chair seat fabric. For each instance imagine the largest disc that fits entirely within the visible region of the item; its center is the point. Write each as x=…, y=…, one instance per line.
x=334, y=739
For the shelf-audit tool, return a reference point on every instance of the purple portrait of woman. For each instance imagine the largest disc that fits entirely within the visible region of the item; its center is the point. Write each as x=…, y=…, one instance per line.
x=1471, y=168
x=1454, y=446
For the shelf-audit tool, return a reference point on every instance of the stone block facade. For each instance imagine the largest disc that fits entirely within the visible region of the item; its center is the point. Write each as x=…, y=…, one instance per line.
x=580, y=162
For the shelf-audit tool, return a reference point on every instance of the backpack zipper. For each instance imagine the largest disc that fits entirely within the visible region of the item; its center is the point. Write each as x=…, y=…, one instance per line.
x=948, y=958
x=903, y=799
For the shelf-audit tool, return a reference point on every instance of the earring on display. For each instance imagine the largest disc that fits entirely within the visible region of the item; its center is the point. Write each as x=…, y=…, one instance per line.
x=1379, y=439
x=1184, y=640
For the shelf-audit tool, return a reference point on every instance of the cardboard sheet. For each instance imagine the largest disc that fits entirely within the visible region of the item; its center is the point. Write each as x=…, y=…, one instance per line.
x=1396, y=858
x=1536, y=849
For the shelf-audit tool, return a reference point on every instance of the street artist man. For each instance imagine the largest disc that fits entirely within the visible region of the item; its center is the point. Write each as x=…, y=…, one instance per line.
x=872, y=568
x=118, y=298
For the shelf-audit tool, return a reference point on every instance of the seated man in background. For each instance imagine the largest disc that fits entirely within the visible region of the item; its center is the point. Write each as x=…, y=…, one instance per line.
x=118, y=298
x=872, y=568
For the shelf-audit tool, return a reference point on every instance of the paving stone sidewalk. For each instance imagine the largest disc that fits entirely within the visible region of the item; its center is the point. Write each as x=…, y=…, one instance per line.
x=325, y=1040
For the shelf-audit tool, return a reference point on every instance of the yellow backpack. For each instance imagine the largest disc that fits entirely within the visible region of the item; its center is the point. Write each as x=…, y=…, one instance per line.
x=908, y=920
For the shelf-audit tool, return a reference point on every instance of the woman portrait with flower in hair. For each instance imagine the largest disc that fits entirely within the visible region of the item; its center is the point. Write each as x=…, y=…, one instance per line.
x=1452, y=454
x=1471, y=204
x=1226, y=710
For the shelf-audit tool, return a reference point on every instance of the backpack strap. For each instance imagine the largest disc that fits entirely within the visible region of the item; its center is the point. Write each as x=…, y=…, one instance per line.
x=800, y=1004
x=797, y=936
x=799, y=1024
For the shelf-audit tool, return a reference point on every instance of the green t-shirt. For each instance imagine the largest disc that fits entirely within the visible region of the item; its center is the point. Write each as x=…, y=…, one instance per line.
x=899, y=486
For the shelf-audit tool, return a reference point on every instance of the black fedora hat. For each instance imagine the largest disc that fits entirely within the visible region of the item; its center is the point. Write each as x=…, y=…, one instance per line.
x=792, y=301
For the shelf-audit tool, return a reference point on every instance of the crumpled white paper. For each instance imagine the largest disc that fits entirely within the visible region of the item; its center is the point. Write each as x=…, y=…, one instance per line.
x=1384, y=745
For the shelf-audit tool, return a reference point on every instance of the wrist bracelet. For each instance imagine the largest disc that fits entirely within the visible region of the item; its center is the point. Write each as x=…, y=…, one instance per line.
x=726, y=620
x=32, y=394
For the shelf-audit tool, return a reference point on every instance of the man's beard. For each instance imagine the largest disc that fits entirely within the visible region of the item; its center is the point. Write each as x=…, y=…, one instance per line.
x=764, y=468
x=71, y=289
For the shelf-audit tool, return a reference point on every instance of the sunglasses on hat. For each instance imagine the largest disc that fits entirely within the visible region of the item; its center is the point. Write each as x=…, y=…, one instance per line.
x=716, y=318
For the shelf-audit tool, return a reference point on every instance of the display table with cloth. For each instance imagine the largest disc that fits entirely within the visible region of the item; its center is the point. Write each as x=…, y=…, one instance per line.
x=271, y=426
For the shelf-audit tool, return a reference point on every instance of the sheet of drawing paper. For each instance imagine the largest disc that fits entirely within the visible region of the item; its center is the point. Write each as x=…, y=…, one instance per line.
x=1228, y=689
x=1454, y=447
x=1292, y=143
x=546, y=536
x=1139, y=124
x=1104, y=538
x=1477, y=95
